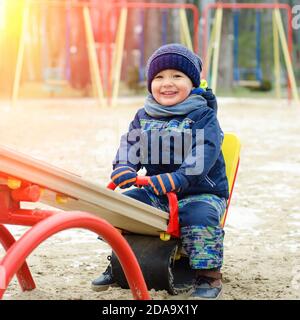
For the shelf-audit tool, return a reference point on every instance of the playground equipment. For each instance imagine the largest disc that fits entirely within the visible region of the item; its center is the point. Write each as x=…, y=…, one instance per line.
x=53, y=75
x=105, y=55
x=212, y=50
x=105, y=52
x=163, y=266
x=240, y=75
x=115, y=64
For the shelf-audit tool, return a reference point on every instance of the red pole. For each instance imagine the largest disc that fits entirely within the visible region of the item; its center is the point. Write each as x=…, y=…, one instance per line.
x=248, y=5
x=23, y=274
x=17, y=254
x=173, y=225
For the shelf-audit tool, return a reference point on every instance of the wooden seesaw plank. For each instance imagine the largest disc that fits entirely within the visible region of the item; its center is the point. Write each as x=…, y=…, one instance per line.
x=119, y=210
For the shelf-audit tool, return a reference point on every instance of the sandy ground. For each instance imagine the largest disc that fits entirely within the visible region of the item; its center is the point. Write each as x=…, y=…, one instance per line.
x=262, y=242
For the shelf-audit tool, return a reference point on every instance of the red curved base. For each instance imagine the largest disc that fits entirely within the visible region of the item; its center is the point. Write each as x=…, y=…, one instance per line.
x=20, y=250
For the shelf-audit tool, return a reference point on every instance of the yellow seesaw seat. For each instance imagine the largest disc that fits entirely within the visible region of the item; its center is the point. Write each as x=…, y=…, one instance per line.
x=231, y=151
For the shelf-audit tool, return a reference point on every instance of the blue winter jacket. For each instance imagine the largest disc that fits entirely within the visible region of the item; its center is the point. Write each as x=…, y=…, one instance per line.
x=212, y=178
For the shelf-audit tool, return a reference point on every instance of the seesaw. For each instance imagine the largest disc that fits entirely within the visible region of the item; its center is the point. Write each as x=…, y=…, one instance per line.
x=64, y=190
x=25, y=179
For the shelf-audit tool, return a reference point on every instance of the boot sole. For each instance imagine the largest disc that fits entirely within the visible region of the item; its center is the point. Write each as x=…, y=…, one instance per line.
x=218, y=297
x=102, y=287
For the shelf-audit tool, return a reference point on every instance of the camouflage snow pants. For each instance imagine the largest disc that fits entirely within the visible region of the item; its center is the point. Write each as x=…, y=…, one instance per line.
x=200, y=217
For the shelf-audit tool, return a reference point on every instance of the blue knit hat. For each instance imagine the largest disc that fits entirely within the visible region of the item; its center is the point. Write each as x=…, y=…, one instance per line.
x=174, y=56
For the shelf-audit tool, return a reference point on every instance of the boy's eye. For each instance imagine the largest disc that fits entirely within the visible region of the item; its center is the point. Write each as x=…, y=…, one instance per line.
x=177, y=75
x=158, y=77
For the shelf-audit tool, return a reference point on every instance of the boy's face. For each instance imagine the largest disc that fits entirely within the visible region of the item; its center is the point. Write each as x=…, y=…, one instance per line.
x=170, y=87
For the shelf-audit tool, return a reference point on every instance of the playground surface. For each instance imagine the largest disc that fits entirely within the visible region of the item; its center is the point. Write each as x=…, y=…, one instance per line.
x=262, y=237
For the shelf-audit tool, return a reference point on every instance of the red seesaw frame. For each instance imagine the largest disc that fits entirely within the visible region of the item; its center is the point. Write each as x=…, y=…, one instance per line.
x=47, y=223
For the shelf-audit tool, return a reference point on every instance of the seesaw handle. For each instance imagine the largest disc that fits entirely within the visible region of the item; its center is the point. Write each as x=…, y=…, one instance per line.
x=173, y=225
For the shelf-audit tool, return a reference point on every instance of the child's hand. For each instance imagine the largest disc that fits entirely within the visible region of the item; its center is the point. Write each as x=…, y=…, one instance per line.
x=164, y=183
x=124, y=177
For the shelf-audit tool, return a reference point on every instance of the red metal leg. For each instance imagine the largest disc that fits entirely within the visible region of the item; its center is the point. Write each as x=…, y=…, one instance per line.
x=23, y=274
x=17, y=254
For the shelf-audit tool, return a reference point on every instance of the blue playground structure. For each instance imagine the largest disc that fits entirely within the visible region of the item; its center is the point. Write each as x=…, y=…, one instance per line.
x=242, y=76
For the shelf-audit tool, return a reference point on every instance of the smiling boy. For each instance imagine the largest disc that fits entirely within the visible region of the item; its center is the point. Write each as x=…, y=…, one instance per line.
x=176, y=107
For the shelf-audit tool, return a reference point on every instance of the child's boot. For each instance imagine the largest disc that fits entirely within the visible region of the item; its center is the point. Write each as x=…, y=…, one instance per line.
x=207, y=286
x=104, y=281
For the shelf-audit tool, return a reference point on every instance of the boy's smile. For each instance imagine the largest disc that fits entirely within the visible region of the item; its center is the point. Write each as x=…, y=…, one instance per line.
x=170, y=87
